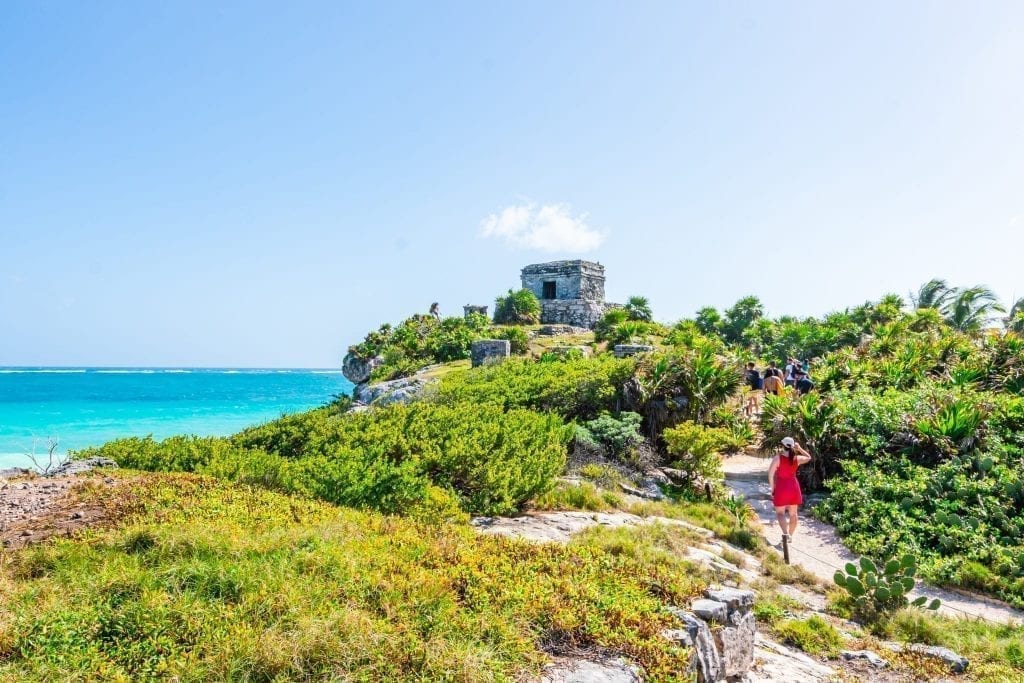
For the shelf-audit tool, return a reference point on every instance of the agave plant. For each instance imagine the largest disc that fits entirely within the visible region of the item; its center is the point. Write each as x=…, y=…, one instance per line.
x=810, y=419
x=954, y=428
x=739, y=509
x=687, y=381
x=971, y=308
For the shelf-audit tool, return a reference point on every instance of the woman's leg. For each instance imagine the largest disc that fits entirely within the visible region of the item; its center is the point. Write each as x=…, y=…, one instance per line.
x=792, y=518
x=780, y=516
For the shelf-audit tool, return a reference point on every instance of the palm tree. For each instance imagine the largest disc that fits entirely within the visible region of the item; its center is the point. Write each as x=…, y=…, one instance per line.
x=1015, y=318
x=971, y=308
x=932, y=294
x=639, y=308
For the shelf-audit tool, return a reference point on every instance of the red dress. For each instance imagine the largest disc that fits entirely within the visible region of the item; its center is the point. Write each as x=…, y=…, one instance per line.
x=787, y=488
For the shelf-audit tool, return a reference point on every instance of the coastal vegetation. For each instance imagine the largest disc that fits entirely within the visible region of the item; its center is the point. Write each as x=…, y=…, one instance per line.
x=336, y=540
x=206, y=580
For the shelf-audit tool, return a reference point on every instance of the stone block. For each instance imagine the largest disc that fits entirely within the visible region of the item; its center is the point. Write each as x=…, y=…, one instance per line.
x=624, y=350
x=470, y=308
x=736, y=644
x=734, y=598
x=489, y=351
x=710, y=610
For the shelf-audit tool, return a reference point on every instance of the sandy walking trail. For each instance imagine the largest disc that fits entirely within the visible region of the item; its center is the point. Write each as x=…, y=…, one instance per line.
x=817, y=548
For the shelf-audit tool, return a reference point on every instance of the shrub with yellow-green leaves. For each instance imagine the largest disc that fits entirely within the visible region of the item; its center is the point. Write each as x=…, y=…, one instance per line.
x=394, y=459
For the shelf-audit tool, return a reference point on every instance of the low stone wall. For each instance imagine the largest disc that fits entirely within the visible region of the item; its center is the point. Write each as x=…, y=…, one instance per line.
x=576, y=312
x=624, y=350
x=489, y=351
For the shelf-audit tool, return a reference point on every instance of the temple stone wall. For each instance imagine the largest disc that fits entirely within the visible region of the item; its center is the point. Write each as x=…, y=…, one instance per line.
x=573, y=279
x=576, y=312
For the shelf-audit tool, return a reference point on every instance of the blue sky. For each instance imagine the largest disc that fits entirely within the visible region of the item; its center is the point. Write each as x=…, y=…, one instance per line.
x=258, y=184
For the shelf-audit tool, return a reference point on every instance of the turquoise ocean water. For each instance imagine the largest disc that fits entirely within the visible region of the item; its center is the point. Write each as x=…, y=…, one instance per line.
x=89, y=406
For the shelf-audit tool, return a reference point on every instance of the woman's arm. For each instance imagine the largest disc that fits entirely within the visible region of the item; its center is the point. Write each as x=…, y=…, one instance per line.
x=771, y=473
x=803, y=456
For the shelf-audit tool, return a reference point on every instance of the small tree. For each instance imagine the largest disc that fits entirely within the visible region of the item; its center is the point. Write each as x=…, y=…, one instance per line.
x=47, y=464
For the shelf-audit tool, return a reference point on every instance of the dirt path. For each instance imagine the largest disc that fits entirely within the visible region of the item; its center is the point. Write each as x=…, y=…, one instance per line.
x=36, y=508
x=817, y=548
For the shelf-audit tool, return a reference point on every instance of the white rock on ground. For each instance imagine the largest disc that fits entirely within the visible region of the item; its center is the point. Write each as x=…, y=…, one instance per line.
x=774, y=663
x=572, y=670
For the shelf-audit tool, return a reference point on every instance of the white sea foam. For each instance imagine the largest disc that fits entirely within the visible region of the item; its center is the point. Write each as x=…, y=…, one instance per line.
x=51, y=371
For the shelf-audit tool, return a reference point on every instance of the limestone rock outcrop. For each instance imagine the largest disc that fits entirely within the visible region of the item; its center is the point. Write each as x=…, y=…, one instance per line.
x=357, y=370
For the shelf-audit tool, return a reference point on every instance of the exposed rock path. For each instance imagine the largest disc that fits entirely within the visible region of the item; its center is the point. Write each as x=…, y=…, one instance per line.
x=817, y=548
x=773, y=662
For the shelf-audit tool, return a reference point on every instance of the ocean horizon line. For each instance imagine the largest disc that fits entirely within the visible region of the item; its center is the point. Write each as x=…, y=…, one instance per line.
x=115, y=369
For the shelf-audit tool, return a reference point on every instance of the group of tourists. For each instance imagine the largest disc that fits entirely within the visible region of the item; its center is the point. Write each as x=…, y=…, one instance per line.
x=795, y=374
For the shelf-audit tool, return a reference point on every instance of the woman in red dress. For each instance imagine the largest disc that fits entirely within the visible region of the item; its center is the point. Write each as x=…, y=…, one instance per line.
x=786, y=495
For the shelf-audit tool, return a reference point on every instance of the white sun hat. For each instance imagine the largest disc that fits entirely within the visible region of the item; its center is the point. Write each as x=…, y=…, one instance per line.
x=788, y=442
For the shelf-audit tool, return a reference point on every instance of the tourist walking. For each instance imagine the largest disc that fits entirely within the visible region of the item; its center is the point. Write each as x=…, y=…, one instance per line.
x=786, y=494
x=791, y=367
x=772, y=383
x=754, y=382
x=803, y=382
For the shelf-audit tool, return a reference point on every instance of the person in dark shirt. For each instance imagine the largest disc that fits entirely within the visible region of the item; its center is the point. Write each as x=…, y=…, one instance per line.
x=803, y=382
x=753, y=379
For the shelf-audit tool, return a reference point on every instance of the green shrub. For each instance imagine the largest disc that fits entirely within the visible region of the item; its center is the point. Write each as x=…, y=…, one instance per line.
x=519, y=343
x=620, y=435
x=605, y=476
x=694, y=449
x=813, y=635
x=419, y=341
x=879, y=591
x=639, y=308
x=517, y=308
x=606, y=326
x=683, y=383
x=387, y=459
x=576, y=388
x=581, y=496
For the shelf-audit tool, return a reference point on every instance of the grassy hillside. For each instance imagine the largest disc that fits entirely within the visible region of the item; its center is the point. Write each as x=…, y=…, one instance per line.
x=206, y=580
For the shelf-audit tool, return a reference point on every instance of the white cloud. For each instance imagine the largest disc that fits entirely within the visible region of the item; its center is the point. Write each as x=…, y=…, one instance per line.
x=550, y=227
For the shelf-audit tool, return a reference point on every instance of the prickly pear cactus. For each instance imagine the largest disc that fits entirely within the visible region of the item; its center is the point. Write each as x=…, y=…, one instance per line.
x=882, y=589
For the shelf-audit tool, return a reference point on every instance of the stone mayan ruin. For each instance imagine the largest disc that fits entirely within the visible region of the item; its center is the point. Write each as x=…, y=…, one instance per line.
x=570, y=292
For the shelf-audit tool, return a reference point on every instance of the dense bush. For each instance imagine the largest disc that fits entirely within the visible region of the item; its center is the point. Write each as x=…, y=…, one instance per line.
x=695, y=449
x=572, y=387
x=419, y=341
x=517, y=308
x=685, y=382
x=629, y=325
x=618, y=435
x=519, y=342
x=393, y=459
